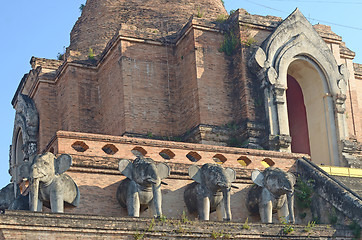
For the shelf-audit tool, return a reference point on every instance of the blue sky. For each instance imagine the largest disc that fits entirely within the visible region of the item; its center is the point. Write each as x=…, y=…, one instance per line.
x=41, y=28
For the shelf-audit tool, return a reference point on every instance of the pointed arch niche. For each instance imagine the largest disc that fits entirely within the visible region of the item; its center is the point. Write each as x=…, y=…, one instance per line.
x=296, y=52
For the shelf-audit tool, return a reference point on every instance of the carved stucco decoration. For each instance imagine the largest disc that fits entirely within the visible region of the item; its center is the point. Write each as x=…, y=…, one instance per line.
x=294, y=39
x=25, y=134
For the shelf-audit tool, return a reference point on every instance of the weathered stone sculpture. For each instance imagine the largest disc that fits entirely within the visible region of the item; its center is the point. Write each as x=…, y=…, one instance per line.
x=273, y=189
x=142, y=187
x=212, y=186
x=12, y=201
x=49, y=183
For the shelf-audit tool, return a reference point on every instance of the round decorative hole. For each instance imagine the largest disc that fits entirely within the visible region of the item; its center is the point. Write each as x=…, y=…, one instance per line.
x=219, y=158
x=193, y=156
x=244, y=161
x=139, y=151
x=110, y=149
x=80, y=146
x=167, y=154
x=267, y=162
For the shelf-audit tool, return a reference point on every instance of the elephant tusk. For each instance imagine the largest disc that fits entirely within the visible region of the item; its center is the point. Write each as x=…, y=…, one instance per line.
x=151, y=181
x=162, y=182
x=287, y=190
x=233, y=186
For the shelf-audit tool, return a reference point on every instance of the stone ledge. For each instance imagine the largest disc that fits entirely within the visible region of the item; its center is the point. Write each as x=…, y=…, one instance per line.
x=20, y=224
x=175, y=145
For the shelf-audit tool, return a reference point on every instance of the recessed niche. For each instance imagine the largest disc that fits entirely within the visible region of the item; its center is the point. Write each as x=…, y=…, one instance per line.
x=219, y=158
x=267, y=162
x=193, y=156
x=167, y=154
x=110, y=149
x=139, y=151
x=80, y=146
x=244, y=161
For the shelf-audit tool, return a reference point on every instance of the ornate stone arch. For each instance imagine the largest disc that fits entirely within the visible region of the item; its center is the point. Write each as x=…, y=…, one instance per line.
x=296, y=39
x=25, y=134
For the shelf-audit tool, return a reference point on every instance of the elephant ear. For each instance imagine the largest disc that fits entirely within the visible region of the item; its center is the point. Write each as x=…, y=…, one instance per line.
x=125, y=166
x=258, y=178
x=24, y=170
x=231, y=174
x=195, y=173
x=163, y=170
x=291, y=178
x=62, y=163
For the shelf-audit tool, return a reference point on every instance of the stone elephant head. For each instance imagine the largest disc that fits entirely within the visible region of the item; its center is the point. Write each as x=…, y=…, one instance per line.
x=210, y=191
x=273, y=189
x=49, y=184
x=142, y=187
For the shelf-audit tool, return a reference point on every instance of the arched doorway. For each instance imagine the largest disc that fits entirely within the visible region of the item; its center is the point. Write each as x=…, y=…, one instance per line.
x=298, y=126
x=310, y=112
x=19, y=154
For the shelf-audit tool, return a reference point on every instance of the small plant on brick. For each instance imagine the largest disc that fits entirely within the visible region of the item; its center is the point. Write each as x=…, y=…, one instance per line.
x=180, y=230
x=232, y=11
x=222, y=18
x=356, y=230
x=229, y=44
x=220, y=235
x=309, y=227
x=199, y=13
x=151, y=226
x=138, y=235
x=246, y=225
x=248, y=42
x=81, y=7
x=60, y=56
x=90, y=53
x=223, y=3
x=304, y=193
x=287, y=227
x=184, y=218
x=162, y=218
x=332, y=216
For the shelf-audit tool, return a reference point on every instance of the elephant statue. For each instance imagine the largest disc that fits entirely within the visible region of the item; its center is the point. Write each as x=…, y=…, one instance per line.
x=49, y=184
x=7, y=195
x=142, y=187
x=211, y=187
x=273, y=190
x=10, y=200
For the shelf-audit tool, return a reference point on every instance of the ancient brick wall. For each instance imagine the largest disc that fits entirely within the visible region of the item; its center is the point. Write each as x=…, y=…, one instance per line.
x=66, y=226
x=96, y=27
x=45, y=99
x=146, y=89
x=174, y=86
x=111, y=91
x=185, y=86
x=355, y=89
x=213, y=83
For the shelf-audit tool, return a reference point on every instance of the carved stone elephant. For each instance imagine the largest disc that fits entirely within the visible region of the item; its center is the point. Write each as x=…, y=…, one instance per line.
x=211, y=187
x=273, y=190
x=142, y=187
x=49, y=184
x=8, y=199
x=7, y=196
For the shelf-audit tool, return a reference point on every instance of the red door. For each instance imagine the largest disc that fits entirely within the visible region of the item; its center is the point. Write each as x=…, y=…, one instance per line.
x=297, y=115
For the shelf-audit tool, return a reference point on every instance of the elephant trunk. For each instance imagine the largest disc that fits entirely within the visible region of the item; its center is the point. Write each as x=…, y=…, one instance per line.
x=157, y=199
x=34, y=194
x=290, y=197
x=227, y=208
